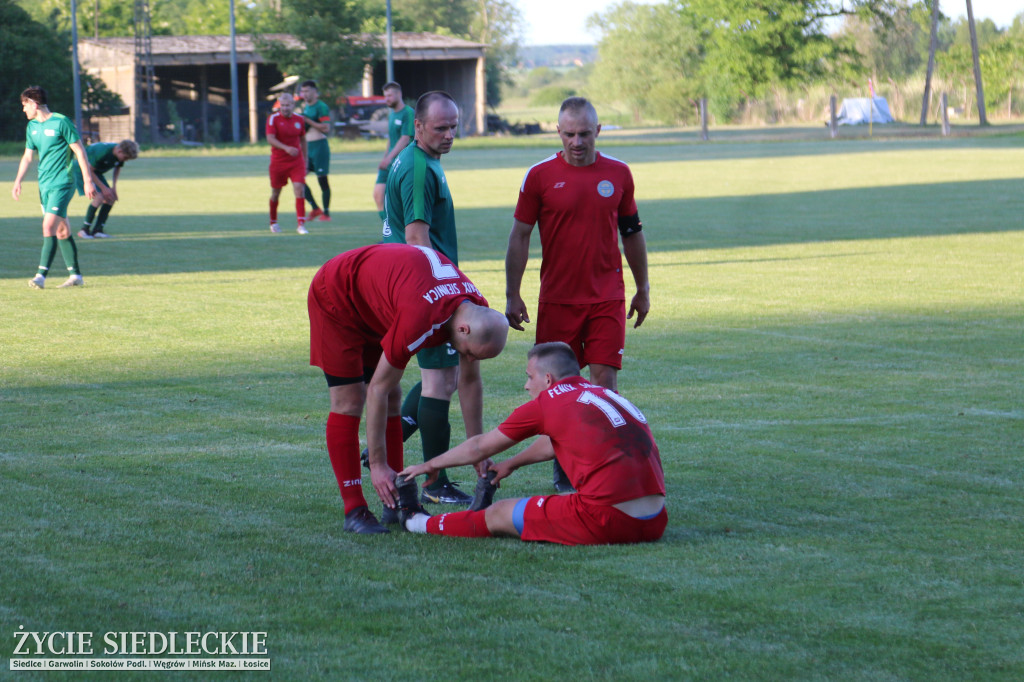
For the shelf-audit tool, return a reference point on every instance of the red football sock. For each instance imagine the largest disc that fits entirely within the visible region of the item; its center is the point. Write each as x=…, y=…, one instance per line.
x=273, y=211
x=343, y=449
x=300, y=209
x=393, y=442
x=463, y=524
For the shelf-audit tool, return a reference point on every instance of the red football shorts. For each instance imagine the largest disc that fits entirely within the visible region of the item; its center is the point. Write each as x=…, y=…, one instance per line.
x=337, y=343
x=281, y=173
x=595, y=331
x=568, y=520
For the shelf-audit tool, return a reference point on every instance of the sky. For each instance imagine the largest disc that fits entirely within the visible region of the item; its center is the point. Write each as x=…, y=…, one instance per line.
x=562, y=22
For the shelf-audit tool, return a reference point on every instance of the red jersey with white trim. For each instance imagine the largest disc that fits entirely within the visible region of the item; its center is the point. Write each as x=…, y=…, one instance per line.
x=601, y=440
x=577, y=210
x=288, y=130
x=398, y=295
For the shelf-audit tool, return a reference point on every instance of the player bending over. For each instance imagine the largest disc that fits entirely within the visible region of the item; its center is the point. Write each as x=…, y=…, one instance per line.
x=601, y=440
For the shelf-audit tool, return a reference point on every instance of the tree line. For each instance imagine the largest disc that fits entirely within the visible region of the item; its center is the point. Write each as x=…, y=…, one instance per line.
x=35, y=39
x=660, y=60
x=656, y=60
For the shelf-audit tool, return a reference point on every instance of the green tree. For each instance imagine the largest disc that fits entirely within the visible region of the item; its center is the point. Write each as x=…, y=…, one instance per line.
x=332, y=48
x=497, y=23
x=1002, y=63
x=98, y=99
x=168, y=17
x=957, y=68
x=31, y=54
x=649, y=58
x=754, y=46
x=892, y=45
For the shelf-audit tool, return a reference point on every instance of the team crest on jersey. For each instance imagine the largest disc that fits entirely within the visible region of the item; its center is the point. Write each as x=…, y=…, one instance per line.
x=298, y=125
x=605, y=188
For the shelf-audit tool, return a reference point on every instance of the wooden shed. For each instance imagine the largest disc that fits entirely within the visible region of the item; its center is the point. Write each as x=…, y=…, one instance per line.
x=192, y=80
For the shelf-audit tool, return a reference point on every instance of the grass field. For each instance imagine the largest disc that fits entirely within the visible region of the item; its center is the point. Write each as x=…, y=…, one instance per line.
x=833, y=368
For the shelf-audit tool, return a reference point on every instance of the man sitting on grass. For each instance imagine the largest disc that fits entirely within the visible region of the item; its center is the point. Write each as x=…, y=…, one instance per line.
x=601, y=440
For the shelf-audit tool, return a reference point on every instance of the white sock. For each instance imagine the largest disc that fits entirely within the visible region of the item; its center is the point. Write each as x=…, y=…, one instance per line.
x=417, y=523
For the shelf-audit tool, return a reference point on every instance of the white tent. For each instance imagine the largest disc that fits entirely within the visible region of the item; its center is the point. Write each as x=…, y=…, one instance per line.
x=857, y=110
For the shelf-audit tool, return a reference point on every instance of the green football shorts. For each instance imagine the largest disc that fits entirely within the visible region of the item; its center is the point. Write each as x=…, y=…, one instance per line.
x=319, y=161
x=55, y=200
x=438, y=357
x=80, y=183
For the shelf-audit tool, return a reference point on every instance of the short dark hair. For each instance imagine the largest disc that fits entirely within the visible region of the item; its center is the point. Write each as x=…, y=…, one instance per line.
x=555, y=358
x=577, y=105
x=391, y=85
x=36, y=93
x=309, y=84
x=428, y=98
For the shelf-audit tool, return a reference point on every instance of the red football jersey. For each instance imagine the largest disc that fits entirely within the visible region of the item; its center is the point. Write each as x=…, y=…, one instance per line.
x=601, y=440
x=577, y=210
x=288, y=130
x=397, y=294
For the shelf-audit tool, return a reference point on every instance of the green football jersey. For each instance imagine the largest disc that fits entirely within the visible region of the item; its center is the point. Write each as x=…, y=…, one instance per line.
x=101, y=156
x=418, y=190
x=400, y=123
x=53, y=139
x=318, y=113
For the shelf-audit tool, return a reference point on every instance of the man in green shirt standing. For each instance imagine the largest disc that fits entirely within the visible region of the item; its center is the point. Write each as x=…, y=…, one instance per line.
x=55, y=138
x=318, y=125
x=103, y=156
x=400, y=133
x=419, y=210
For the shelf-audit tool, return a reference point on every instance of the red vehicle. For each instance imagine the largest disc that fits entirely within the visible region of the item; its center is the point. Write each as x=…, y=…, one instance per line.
x=365, y=116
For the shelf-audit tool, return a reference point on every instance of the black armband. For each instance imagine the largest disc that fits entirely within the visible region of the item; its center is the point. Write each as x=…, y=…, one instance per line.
x=630, y=224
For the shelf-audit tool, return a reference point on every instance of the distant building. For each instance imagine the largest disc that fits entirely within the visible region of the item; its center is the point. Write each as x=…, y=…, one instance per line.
x=192, y=80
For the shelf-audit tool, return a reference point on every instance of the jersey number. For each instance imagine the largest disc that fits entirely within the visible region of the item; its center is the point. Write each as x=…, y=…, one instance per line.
x=609, y=410
x=439, y=269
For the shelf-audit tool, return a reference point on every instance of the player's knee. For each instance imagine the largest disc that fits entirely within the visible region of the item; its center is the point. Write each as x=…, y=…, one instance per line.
x=499, y=518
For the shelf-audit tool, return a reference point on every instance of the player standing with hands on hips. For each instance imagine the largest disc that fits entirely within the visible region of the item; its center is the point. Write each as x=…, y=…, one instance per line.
x=55, y=138
x=583, y=202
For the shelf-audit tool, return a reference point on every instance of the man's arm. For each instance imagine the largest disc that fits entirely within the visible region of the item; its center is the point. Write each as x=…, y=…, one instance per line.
x=635, y=248
x=516, y=256
x=471, y=395
x=274, y=142
x=417, y=233
x=386, y=377
x=389, y=156
x=26, y=160
x=88, y=178
x=319, y=126
x=113, y=183
x=540, y=450
x=473, y=450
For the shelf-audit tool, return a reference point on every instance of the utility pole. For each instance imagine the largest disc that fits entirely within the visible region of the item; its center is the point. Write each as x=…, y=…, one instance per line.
x=982, y=119
x=933, y=45
x=235, y=135
x=390, y=57
x=75, y=77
